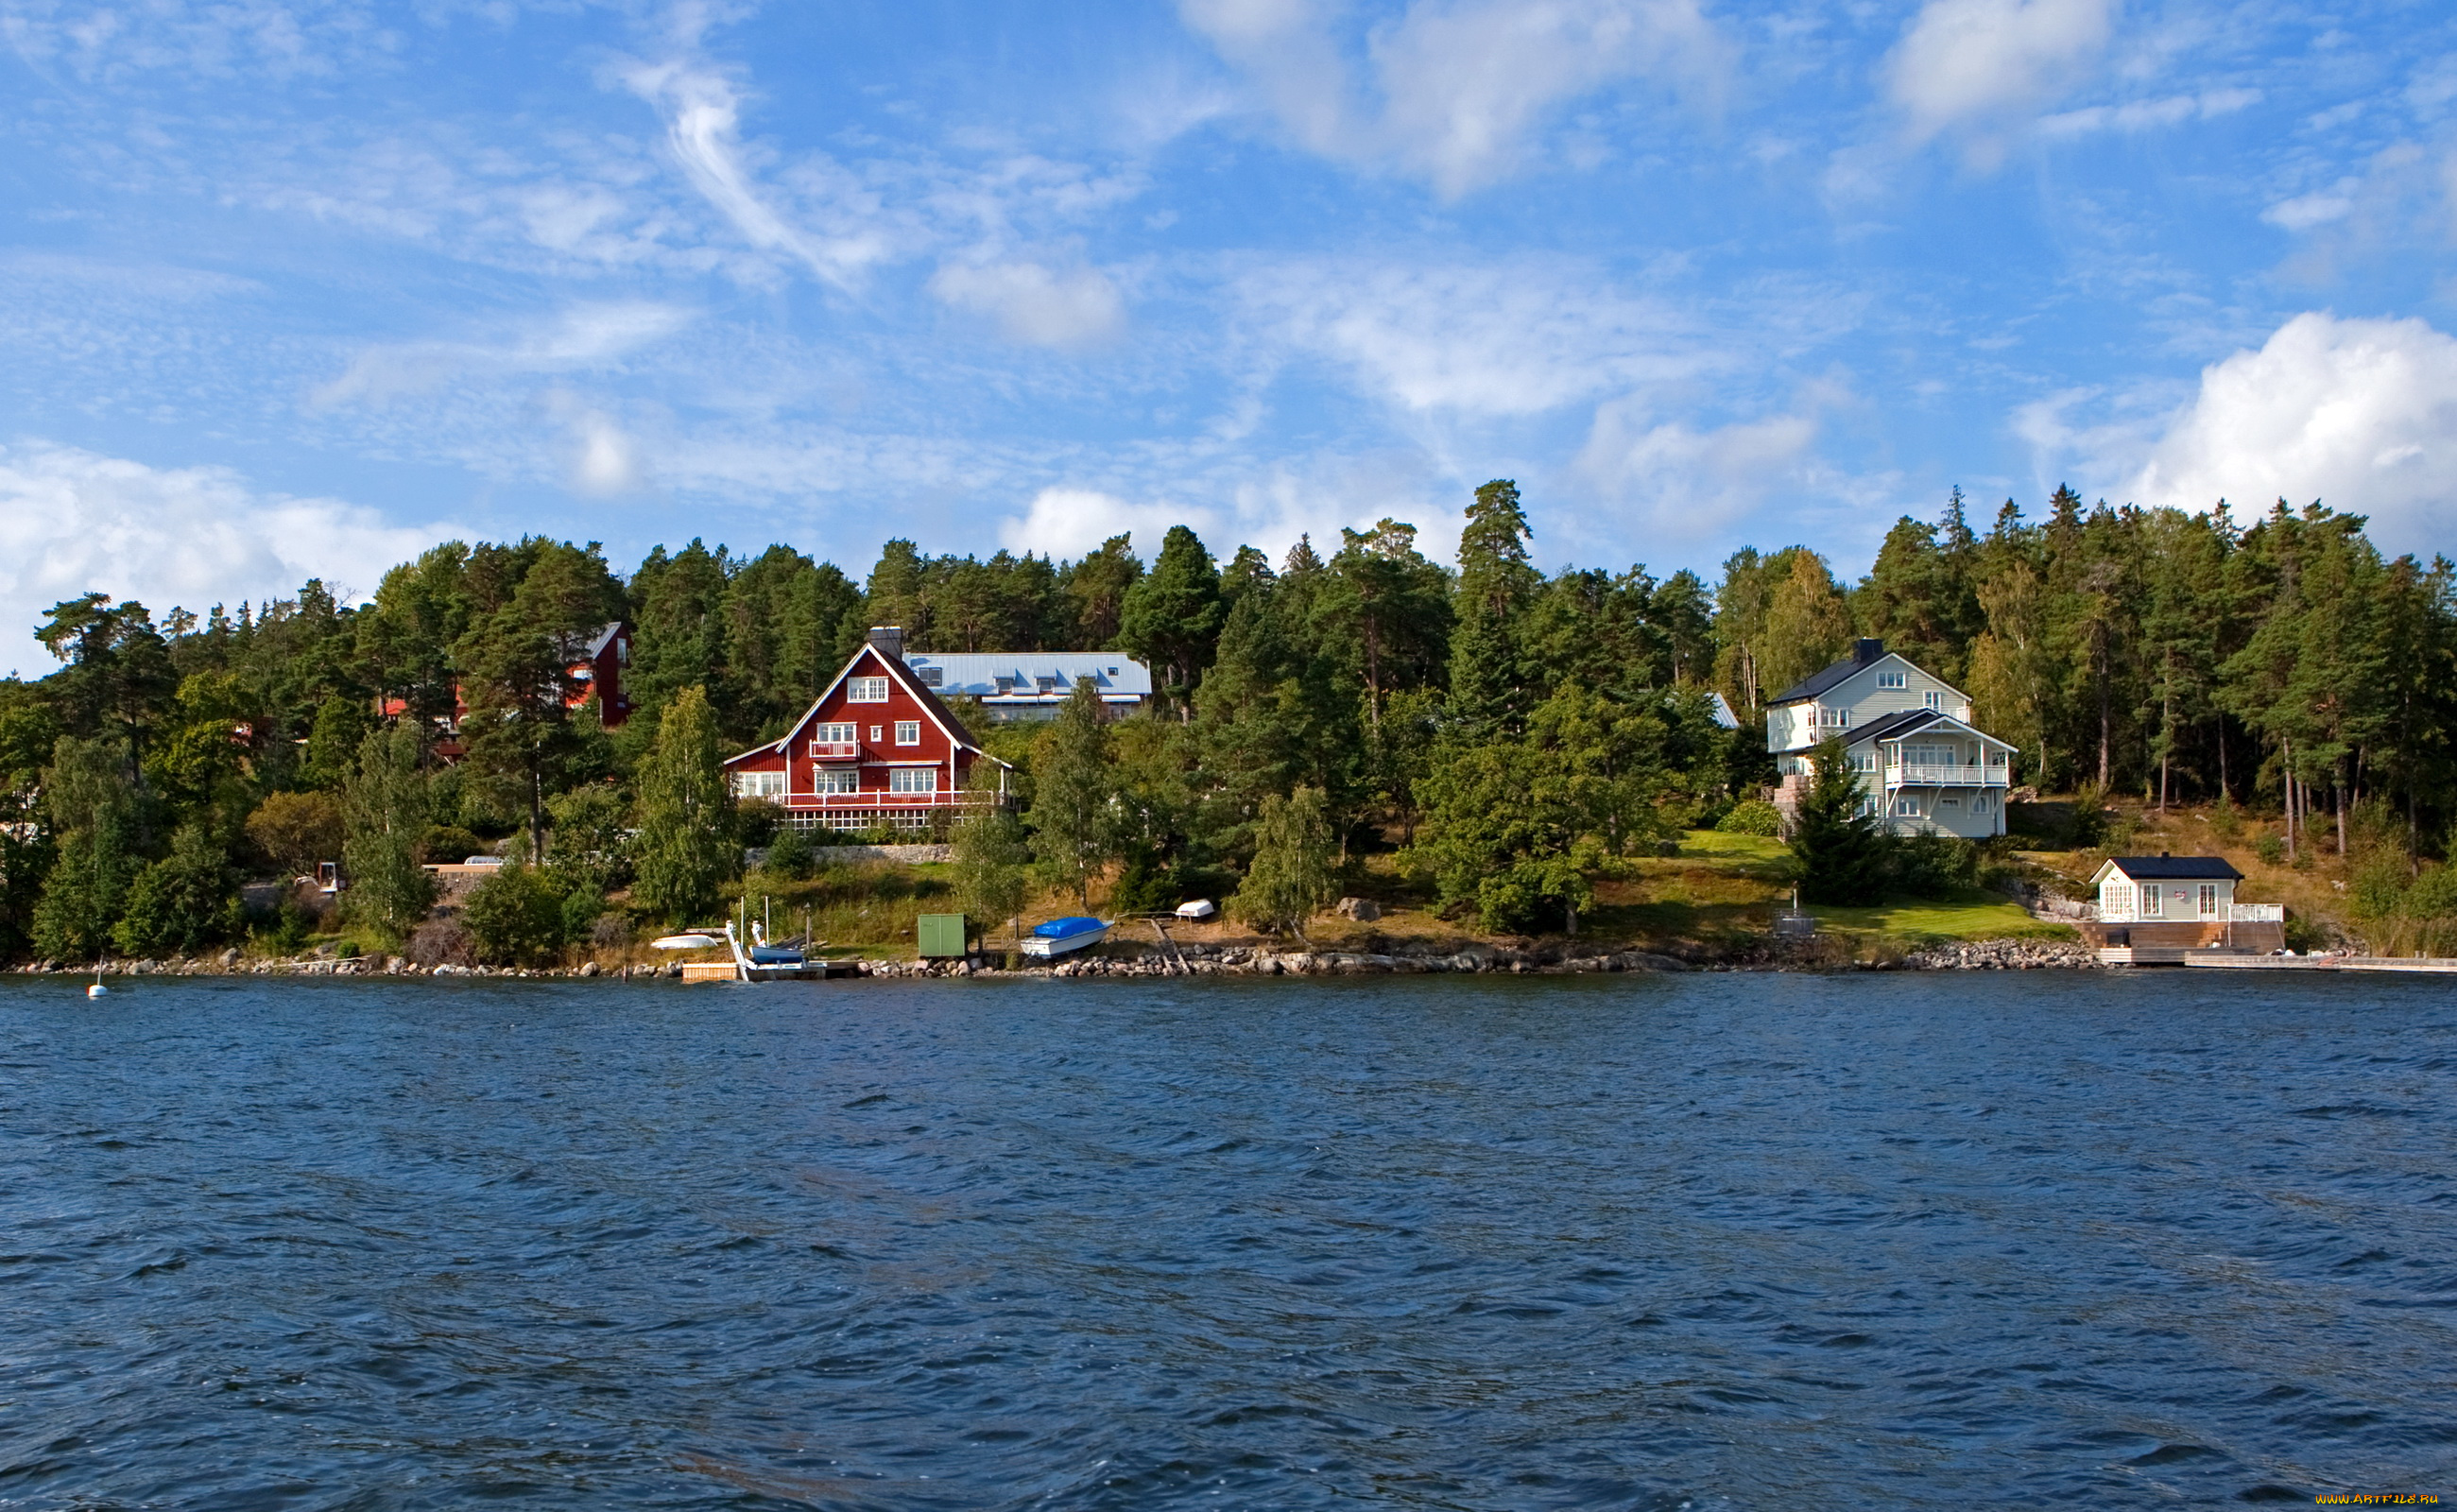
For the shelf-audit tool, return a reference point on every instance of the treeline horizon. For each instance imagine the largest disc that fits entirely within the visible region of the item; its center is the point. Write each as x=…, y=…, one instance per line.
x=2285, y=662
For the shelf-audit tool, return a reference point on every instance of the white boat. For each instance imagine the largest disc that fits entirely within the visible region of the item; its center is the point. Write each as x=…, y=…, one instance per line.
x=689, y=940
x=1199, y=908
x=1062, y=936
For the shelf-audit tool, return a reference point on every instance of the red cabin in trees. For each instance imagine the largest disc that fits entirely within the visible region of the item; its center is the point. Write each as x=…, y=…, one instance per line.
x=877, y=749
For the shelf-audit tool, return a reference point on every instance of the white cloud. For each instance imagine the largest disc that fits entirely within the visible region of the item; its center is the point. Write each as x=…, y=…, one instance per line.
x=600, y=459
x=1980, y=67
x=2142, y=115
x=582, y=338
x=74, y=522
x=1516, y=340
x=1681, y=483
x=702, y=113
x=2304, y=212
x=1464, y=84
x=2360, y=414
x=1069, y=522
x=1034, y=304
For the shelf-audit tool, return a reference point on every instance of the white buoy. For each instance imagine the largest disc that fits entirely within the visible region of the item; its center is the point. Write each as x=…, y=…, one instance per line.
x=98, y=990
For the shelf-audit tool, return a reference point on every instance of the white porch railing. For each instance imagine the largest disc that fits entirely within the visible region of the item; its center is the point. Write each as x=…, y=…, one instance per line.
x=1918, y=774
x=2256, y=913
x=873, y=799
x=2232, y=914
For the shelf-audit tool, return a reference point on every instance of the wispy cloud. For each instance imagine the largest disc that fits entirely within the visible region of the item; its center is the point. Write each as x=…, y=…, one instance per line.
x=582, y=337
x=703, y=113
x=1459, y=88
x=1036, y=305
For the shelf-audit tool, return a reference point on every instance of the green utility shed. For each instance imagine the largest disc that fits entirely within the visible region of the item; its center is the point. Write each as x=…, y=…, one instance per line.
x=940, y=934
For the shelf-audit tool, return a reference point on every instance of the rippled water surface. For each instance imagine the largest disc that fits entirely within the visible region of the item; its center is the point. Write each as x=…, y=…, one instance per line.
x=1941, y=1241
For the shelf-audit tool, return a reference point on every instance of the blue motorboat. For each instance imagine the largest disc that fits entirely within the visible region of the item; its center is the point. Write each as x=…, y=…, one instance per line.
x=1059, y=936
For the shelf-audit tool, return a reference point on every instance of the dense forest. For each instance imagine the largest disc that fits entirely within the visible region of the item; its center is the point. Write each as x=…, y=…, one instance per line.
x=1508, y=731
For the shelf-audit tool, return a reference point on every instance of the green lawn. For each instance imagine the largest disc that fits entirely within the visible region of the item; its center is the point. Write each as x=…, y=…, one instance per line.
x=1981, y=916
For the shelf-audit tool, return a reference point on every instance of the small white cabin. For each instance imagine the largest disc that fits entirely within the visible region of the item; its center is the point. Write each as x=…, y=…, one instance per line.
x=2171, y=889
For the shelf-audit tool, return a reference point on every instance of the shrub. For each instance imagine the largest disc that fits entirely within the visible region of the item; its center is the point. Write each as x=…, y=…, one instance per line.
x=515, y=916
x=1755, y=816
x=2271, y=850
x=1933, y=865
x=2226, y=820
x=443, y=941
x=790, y=855
x=183, y=903
x=450, y=845
x=297, y=830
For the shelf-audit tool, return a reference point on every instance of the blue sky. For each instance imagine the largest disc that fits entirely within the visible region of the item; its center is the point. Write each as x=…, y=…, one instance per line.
x=299, y=288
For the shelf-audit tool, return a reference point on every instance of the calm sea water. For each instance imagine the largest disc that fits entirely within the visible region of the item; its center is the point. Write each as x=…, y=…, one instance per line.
x=1764, y=1241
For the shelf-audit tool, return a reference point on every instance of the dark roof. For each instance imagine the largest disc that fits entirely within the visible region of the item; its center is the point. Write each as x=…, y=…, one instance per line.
x=2173, y=868
x=1901, y=722
x=1810, y=686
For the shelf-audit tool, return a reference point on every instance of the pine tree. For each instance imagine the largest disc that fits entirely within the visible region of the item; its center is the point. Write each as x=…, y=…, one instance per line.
x=685, y=847
x=1838, y=848
x=1171, y=619
x=1494, y=584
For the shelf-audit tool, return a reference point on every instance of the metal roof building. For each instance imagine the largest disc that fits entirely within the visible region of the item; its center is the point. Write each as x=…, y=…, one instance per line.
x=1013, y=685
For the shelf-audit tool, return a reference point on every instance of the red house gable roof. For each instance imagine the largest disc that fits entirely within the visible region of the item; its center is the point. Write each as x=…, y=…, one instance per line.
x=894, y=667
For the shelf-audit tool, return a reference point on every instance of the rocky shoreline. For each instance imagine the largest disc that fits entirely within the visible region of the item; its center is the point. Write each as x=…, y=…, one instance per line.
x=1559, y=958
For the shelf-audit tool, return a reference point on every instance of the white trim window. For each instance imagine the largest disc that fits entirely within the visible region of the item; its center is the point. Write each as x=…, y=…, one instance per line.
x=1893, y=679
x=1949, y=801
x=2150, y=900
x=865, y=689
x=908, y=731
x=2209, y=900
x=835, y=779
x=759, y=784
x=822, y=735
x=912, y=779
x=1907, y=808
x=1934, y=700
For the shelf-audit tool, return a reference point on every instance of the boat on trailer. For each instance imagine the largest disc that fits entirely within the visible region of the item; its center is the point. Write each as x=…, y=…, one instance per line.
x=1061, y=937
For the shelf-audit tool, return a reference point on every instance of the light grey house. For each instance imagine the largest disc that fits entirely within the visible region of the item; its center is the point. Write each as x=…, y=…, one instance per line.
x=1924, y=769
x=1017, y=685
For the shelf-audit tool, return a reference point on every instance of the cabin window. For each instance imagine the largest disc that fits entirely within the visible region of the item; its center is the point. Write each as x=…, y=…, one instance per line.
x=835, y=779
x=2148, y=900
x=912, y=779
x=865, y=689
x=1892, y=679
x=2209, y=899
x=758, y=785
x=932, y=676
x=908, y=731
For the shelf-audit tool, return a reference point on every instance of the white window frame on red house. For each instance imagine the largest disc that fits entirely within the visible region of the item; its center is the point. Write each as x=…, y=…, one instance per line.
x=837, y=779
x=833, y=734
x=865, y=689
x=759, y=784
x=908, y=731
x=912, y=779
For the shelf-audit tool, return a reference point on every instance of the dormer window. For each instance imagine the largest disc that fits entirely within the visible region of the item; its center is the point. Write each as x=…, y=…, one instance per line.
x=1046, y=684
x=932, y=676
x=1005, y=684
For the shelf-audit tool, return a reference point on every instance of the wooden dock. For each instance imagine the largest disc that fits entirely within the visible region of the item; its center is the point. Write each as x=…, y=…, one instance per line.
x=2431, y=966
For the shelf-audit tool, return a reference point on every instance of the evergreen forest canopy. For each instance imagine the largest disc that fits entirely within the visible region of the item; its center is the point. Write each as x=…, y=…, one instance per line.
x=1514, y=733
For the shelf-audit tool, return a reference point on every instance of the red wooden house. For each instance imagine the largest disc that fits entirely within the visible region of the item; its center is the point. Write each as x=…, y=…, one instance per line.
x=595, y=673
x=877, y=749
